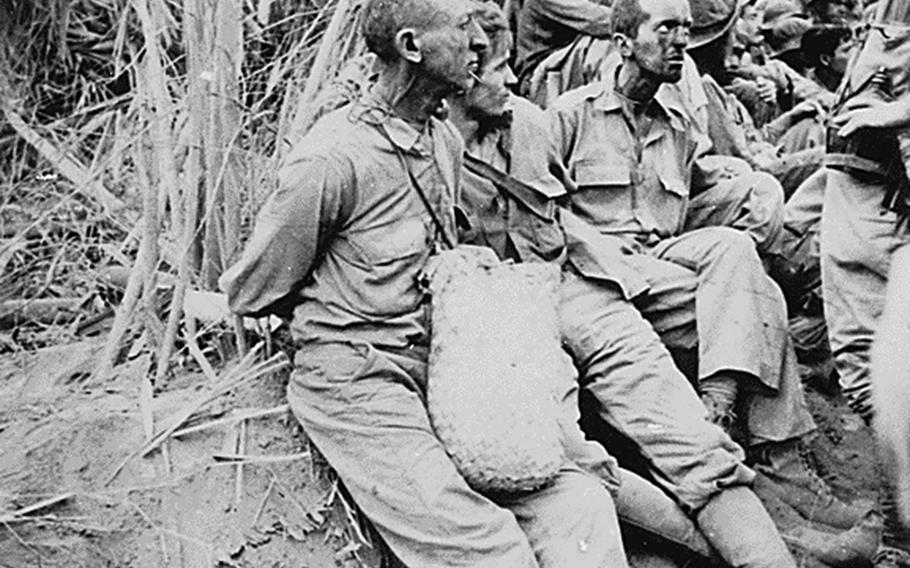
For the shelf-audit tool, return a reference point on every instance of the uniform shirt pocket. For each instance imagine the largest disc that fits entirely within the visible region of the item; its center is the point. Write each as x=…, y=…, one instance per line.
x=672, y=180
x=391, y=242
x=592, y=174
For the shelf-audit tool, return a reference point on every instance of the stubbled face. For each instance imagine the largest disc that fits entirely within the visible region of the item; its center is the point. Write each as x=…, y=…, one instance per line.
x=749, y=25
x=842, y=56
x=489, y=97
x=451, y=44
x=662, y=39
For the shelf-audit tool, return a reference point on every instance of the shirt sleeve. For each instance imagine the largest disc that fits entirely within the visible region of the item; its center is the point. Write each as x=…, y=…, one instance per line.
x=589, y=18
x=562, y=126
x=291, y=230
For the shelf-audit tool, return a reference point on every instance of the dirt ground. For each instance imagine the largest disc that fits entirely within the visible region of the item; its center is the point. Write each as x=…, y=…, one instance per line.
x=188, y=506
x=188, y=503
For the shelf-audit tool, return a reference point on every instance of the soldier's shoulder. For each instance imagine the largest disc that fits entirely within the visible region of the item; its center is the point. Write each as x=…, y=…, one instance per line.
x=528, y=118
x=524, y=109
x=574, y=100
x=334, y=134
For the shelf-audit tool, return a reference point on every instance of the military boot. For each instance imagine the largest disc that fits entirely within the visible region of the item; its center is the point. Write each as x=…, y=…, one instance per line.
x=887, y=557
x=718, y=395
x=786, y=466
x=894, y=551
x=850, y=549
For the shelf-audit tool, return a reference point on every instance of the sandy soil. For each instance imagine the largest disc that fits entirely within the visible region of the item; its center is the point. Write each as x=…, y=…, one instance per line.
x=63, y=437
x=187, y=507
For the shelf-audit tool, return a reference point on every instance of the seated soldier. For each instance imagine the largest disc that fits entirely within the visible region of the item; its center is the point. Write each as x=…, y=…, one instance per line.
x=733, y=131
x=341, y=242
x=836, y=12
x=544, y=26
x=783, y=26
x=628, y=151
x=508, y=196
x=828, y=49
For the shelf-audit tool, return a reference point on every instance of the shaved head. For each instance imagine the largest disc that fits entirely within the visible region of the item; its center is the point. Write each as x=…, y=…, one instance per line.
x=383, y=19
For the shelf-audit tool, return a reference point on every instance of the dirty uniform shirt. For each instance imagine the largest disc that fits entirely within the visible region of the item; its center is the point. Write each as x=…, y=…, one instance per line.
x=344, y=236
x=546, y=25
x=548, y=233
x=635, y=187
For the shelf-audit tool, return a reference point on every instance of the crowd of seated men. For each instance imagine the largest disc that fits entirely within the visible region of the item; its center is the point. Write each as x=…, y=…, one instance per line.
x=669, y=157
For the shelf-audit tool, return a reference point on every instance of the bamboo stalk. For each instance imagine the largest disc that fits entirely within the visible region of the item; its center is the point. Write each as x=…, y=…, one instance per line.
x=67, y=165
x=122, y=319
x=164, y=152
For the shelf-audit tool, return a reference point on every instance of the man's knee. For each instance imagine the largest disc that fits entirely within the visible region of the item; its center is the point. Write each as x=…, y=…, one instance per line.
x=765, y=221
x=728, y=245
x=769, y=195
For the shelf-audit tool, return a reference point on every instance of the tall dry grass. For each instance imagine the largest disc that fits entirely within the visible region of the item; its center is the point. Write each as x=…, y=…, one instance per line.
x=164, y=120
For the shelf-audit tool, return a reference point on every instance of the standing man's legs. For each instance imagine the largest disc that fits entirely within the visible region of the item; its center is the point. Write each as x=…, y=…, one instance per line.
x=858, y=239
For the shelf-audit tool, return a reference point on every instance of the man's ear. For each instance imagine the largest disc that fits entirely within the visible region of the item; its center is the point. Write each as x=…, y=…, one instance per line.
x=825, y=59
x=408, y=45
x=623, y=44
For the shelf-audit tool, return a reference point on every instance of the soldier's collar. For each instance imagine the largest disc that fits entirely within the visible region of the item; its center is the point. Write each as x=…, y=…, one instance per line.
x=374, y=110
x=608, y=100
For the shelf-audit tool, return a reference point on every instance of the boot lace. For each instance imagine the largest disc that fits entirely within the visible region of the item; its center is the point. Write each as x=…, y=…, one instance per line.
x=888, y=557
x=719, y=413
x=817, y=482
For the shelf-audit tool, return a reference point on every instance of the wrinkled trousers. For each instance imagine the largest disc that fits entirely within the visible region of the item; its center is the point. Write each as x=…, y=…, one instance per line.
x=641, y=393
x=858, y=237
x=364, y=408
x=709, y=289
x=751, y=202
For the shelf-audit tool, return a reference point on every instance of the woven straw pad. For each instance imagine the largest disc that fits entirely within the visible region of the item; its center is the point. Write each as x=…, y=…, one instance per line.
x=494, y=364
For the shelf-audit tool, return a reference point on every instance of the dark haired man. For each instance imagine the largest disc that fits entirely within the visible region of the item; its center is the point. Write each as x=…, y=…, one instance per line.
x=508, y=195
x=629, y=150
x=827, y=49
x=341, y=242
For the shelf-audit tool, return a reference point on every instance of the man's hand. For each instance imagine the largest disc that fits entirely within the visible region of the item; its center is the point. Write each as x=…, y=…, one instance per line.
x=807, y=109
x=872, y=114
x=767, y=90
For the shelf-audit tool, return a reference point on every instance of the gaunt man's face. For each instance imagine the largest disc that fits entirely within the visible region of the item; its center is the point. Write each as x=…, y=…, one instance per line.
x=662, y=39
x=749, y=24
x=489, y=97
x=452, y=43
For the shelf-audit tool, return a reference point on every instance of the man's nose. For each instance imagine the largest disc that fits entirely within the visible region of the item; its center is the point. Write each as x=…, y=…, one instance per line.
x=477, y=38
x=681, y=37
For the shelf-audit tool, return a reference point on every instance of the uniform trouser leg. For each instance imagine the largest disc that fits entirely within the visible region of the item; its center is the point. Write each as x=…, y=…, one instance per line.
x=741, y=326
x=571, y=522
x=644, y=397
x=858, y=237
x=364, y=409
x=622, y=362
x=802, y=219
x=639, y=503
x=803, y=211
x=752, y=203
